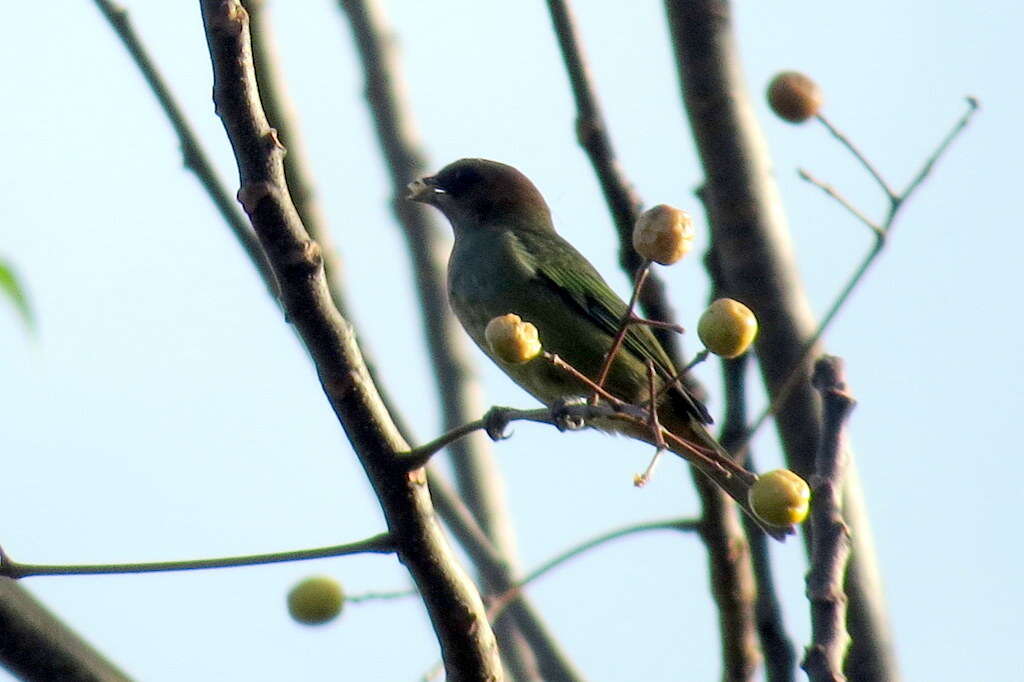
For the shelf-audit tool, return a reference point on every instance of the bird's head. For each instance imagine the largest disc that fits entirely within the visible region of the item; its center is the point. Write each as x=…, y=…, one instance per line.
x=477, y=192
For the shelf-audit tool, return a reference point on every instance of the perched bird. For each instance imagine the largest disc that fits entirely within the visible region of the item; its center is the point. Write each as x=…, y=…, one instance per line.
x=507, y=258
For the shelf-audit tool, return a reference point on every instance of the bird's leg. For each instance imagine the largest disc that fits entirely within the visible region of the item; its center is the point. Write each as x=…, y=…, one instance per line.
x=565, y=417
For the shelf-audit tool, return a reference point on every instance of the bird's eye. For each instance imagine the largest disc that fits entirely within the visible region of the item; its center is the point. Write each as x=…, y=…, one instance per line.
x=461, y=180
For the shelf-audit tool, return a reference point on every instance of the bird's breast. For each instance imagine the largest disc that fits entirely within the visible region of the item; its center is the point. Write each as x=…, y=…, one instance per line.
x=487, y=277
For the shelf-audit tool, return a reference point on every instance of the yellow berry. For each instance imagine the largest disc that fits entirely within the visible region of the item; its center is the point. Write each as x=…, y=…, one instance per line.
x=794, y=97
x=316, y=600
x=780, y=498
x=512, y=340
x=727, y=328
x=663, y=234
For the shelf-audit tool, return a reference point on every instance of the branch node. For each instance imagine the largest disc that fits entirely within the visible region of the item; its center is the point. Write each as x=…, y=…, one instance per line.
x=307, y=258
x=232, y=21
x=273, y=141
x=252, y=193
x=496, y=423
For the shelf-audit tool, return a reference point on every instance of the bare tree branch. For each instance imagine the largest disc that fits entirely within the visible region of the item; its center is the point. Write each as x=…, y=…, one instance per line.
x=459, y=393
x=498, y=605
x=776, y=646
x=552, y=662
x=379, y=544
x=453, y=604
x=35, y=645
x=881, y=232
x=759, y=270
x=830, y=537
x=195, y=158
x=728, y=559
x=283, y=118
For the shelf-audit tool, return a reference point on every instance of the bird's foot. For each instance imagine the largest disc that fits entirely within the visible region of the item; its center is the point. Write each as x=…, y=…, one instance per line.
x=569, y=414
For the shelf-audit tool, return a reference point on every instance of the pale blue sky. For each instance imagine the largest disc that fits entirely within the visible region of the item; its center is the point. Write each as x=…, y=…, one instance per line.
x=165, y=411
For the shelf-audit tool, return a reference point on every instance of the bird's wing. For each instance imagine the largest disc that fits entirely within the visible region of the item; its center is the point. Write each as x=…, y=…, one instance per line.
x=572, y=278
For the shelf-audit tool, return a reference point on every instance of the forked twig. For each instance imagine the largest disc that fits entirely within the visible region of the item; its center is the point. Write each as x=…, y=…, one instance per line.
x=881, y=232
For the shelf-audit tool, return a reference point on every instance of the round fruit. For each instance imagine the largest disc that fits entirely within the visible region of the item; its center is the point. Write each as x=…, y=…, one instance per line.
x=512, y=340
x=663, y=234
x=794, y=97
x=316, y=600
x=727, y=328
x=780, y=498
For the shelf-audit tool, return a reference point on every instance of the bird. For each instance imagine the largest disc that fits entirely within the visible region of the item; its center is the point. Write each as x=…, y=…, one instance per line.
x=508, y=258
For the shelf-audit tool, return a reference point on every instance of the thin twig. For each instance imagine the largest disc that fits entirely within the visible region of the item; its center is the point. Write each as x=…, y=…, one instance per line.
x=419, y=456
x=476, y=473
x=853, y=149
x=597, y=387
x=195, y=158
x=973, y=104
x=830, y=536
x=680, y=375
x=499, y=417
x=379, y=544
x=364, y=597
x=652, y=388
x=881, y=232
x=500, y=602
x=609, y=358
x=660, y=446
x=846, y=203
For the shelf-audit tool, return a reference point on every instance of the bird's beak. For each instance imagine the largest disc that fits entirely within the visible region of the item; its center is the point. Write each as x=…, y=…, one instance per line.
x=424, y=190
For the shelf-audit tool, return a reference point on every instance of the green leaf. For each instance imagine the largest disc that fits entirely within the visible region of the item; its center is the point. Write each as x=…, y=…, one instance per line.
x=11, y=287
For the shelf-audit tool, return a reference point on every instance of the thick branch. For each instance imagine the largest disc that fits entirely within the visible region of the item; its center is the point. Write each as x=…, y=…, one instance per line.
x=35, y=645
x=758, y=268
x=458, y=390
x=552, y=663
x=467, y=643
x=476, y=472
x=830, y=537
x=282, y=117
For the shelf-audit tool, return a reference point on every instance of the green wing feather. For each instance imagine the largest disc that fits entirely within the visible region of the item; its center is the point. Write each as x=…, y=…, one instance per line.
x=566, y=272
